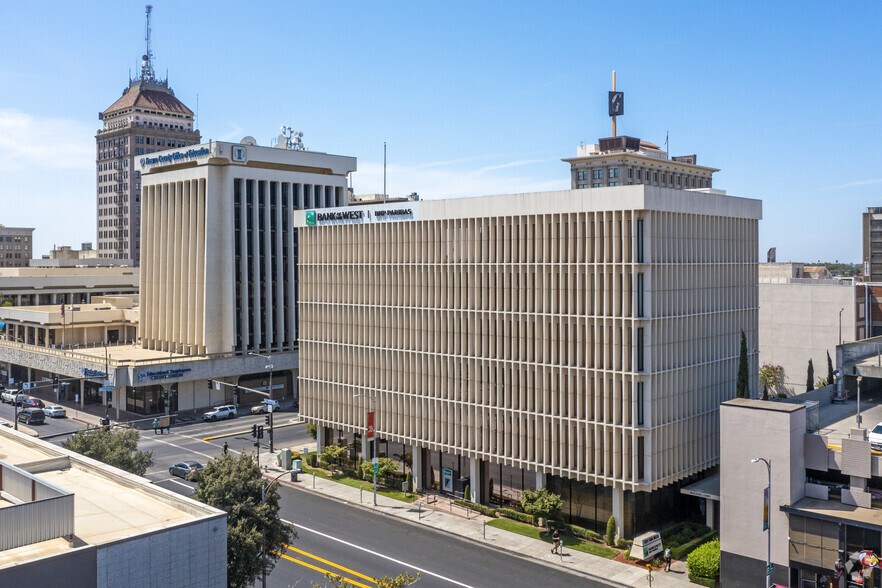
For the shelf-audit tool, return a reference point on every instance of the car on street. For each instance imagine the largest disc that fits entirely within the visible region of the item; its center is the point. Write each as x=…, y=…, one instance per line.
x=32, y=416
x=228, y=411
x=8, y=396
x=876, y=437
x=54, y=411
x=266, y=406
x=31, y=402
x=185, y=469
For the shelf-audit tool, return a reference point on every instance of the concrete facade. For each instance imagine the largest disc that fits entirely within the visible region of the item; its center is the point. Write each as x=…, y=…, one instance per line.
x=589, y=335
x=799, y=319
x=48, y=286
x=219, y=269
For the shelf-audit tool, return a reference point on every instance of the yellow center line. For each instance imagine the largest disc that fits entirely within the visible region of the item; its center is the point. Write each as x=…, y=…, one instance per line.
x=330, y=563
x=322, y=570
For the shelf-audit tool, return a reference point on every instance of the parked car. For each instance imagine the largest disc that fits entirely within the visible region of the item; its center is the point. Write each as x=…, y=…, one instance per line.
x=839, y=396
x=266, y=406
x=228, y=411
x=185, y=469
x=31, y=402
x=20, y=398
x=54, y=411
x=876, y=437
x=32, y=416
x=8, y=396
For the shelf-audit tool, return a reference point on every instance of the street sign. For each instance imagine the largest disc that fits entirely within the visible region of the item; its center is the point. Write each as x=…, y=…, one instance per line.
x=105, y=389
x=370, y=425
x=376, y=468
x=769, y=570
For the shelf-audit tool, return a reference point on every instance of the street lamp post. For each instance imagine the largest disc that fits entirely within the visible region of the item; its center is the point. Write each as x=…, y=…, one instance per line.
x=269, y=407
x=840, y=325
x=262, y=502
x=373, y=442
x=768, y=463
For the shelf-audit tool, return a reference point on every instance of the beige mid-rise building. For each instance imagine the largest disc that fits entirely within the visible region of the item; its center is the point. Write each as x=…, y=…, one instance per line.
x=586, y=337
x=16, y=246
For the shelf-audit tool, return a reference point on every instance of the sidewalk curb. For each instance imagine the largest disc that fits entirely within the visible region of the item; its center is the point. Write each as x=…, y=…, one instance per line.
x=494, y=547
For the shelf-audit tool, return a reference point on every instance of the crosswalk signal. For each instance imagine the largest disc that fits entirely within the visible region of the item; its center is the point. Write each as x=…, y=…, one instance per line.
x=55, y=381
x=254, y=431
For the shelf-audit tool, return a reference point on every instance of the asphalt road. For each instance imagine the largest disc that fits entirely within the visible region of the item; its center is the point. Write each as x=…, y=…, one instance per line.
x=49, y=429
x=361, y=545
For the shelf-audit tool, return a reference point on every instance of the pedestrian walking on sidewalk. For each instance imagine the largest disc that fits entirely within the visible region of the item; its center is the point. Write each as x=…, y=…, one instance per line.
x=555, y=538
x=667, y=559
x=155, y=425
x=226, y=447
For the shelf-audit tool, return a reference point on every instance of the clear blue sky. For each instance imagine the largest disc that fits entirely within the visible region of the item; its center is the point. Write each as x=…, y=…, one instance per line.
x=472, y=97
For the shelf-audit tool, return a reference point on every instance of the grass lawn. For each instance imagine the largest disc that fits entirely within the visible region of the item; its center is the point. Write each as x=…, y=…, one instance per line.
x=569, y=542
x=368, y=486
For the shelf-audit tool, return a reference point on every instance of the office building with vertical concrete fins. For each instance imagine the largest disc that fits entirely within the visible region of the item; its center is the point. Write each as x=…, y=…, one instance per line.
x=586, y=337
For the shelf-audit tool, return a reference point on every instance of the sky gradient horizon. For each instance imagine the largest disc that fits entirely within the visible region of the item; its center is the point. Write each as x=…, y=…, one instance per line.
x=471, y=98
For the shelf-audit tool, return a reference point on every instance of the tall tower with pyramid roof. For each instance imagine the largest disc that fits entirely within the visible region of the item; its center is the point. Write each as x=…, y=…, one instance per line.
x=145, y=119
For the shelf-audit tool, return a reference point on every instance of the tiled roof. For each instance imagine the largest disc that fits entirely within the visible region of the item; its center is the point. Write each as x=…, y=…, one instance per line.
x=145, y=97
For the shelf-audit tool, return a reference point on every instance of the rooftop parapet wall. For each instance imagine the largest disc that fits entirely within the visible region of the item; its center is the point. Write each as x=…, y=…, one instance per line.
x=41, y=511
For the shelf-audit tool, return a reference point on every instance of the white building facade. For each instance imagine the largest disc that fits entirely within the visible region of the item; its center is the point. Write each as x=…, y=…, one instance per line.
x=585, y=336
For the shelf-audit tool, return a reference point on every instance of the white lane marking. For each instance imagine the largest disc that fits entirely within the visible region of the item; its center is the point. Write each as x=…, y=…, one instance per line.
x=393, y=560
x=188, y=450
x=176, y=482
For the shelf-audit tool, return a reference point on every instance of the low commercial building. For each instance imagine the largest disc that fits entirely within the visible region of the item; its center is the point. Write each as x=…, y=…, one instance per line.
x=68, y=520
x=32, y=286
x=584, y=337
x=824, y=508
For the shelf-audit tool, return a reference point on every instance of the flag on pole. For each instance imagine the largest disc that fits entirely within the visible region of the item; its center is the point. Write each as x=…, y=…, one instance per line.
x=666, y=137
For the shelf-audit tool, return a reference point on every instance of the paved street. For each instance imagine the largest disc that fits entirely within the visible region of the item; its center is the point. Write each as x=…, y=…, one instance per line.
x=50, y=428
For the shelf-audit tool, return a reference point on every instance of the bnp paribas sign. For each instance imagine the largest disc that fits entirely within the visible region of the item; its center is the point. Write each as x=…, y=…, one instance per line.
x=361, y=215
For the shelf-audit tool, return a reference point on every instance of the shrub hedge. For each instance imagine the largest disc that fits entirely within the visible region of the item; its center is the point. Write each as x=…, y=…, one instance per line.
x=704, y=562
x=681, y=551
x=575, y=530
x=484, y=510
x=517, y=516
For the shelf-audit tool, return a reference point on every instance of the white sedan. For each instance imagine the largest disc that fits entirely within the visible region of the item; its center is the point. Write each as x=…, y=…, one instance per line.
x=54, y=411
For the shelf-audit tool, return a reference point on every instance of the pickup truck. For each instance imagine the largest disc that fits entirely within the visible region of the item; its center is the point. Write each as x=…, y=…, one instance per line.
x=8, y=396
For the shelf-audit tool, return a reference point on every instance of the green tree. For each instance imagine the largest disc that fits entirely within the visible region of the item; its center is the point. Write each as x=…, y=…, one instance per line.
x=406, y=458
x=400, y=581
x=332, y=454
x=742, y=388
x=611, y=531
x=234, y=484
x=829, y=369
x=115, y=447
x=770, y=376
x=541, y=503
x=312, y=430
x=387, y=468
x=810, y=377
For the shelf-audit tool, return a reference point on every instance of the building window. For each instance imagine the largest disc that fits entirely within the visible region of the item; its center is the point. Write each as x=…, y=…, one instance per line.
x=613, y=183
x=640, y=404
x=597, y=174
x=640, y=458
x=613, y=172
x=656, y=176
x=582, y=186
x=630, y=172
x=639, y=174
x=639, y=241
x=597, y=185
x=639, y=349
x=640, y=295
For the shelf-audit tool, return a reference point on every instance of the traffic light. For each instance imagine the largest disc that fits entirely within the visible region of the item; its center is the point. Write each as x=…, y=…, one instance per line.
x=266, y=419
x=236, y=394
x=260, y=432
x=210, y=383
x=254, y=431
x=55, y=381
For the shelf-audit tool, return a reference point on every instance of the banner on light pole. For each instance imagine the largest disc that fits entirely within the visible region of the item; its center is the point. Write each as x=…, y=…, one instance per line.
x=766, y=509
x=370, y=426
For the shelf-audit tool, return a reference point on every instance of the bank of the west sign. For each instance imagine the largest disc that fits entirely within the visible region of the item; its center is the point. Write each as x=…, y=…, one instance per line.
x=174, y=157
x=378, y=213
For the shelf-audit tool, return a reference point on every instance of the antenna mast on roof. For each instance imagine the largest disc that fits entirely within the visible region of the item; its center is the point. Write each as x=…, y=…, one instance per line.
x=147, y=59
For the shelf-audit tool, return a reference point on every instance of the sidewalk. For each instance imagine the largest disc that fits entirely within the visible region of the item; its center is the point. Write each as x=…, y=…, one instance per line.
x=440, y=518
